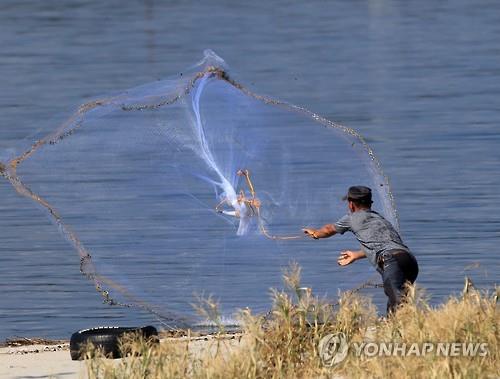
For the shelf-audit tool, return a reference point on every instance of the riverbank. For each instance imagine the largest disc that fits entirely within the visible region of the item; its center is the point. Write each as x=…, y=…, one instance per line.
x=47, y=360
x=303, y=337
x=51, y=359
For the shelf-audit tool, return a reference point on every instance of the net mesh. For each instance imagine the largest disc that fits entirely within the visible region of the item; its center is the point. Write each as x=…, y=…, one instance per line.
x=195, y=184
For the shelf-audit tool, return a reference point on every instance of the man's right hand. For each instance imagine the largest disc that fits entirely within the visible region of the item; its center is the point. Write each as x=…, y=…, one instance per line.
x=310, y=232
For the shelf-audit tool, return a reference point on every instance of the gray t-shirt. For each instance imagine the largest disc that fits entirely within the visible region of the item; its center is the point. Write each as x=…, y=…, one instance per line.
x=374, y=233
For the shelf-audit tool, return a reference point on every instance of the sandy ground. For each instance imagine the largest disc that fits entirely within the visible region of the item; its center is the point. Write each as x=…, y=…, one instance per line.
x=54, y=361
x=39, y=361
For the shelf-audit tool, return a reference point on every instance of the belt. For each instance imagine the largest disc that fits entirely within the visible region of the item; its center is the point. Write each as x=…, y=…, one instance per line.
x=380, y=257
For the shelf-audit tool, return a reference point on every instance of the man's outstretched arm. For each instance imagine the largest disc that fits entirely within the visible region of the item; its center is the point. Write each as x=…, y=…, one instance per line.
x=348, y=256
x=324, y=232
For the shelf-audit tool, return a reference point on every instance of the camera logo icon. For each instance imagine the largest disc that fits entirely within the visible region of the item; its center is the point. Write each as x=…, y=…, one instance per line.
x=333, y=349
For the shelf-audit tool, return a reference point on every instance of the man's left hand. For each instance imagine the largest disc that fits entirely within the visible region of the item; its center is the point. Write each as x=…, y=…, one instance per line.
x=346, y=257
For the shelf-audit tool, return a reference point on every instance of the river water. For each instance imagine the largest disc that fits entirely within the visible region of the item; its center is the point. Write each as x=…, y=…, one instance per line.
x=419, y=81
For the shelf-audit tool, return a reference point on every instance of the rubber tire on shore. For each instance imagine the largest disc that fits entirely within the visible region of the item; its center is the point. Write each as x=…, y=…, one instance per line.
x=107, y=338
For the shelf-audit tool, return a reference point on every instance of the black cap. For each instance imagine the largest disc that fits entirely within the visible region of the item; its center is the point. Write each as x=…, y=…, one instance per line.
x=360, y=194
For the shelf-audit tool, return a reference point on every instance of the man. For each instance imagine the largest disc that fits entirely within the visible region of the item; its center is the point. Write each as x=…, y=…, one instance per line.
x=380, y=243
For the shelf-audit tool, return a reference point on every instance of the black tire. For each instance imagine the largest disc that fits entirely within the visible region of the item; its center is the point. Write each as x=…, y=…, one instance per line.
x=107, y=339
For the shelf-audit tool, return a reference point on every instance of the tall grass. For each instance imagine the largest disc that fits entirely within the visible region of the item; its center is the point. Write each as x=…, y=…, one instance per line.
x=284, y=344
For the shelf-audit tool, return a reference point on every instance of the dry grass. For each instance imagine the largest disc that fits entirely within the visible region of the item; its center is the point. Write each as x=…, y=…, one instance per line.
x=23, y=341
x=286, y=344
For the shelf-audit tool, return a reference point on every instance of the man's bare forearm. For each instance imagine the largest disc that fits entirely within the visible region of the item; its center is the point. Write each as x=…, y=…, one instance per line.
x=324, y=232
x=348, y=256
x=360, y=254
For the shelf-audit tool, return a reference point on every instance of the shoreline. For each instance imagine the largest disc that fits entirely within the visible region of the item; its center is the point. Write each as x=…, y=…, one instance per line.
x=45, y=358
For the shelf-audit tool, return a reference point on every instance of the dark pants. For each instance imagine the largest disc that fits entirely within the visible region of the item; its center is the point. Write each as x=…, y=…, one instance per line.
x=397, y=267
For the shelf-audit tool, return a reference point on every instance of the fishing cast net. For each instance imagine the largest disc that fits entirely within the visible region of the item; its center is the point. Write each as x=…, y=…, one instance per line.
x=197, y=185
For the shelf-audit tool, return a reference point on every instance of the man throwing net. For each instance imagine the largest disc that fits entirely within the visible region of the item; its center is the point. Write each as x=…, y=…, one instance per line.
x=380, y=243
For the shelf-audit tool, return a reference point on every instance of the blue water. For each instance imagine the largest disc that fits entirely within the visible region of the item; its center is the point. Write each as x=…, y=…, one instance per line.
x=419, y=81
